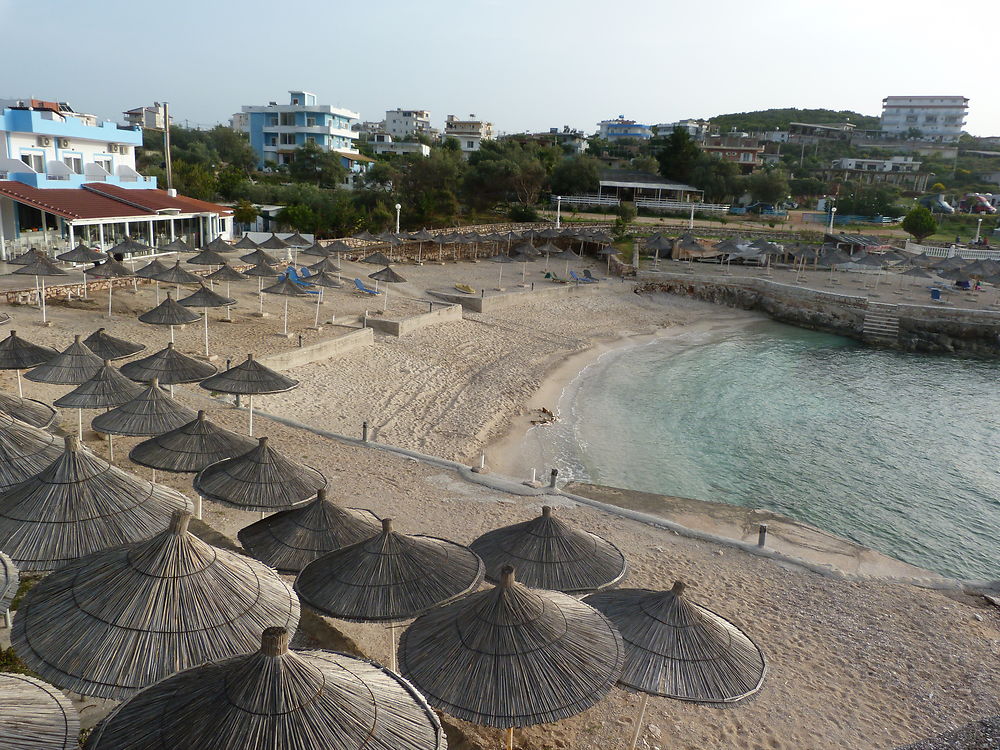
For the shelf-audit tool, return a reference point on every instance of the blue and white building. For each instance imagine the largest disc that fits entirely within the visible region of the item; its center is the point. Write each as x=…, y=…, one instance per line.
x=276, y=130
x=620, y=128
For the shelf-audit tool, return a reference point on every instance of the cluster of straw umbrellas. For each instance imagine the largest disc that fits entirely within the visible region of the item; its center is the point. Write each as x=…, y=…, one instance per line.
x=194, y=640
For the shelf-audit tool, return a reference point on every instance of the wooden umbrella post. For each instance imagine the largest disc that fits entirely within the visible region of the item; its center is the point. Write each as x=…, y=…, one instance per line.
x=638, y=724
x=392, y=646
x=250, y=409
x=20, y=390
x=109, y=298
x=510, y=738
x=79, y=422
x=205, y=316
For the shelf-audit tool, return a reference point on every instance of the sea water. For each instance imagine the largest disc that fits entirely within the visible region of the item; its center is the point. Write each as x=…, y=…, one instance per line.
x=899, y=452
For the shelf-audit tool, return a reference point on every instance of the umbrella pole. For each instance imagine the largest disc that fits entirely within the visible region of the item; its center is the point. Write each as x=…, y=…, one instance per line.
x=638, y=724
x=197, y=508
x=154, y=476
x=110, y=284
x=205, y=316
x=171, y=334
x=157, y=292
x=319, y=296
x=392, y=646
x=111, y=447
x=79, y=423
x=510, y=738
x=250, y=408
x=286, y=316
x=500, y=278
x=229, y=308
x=260, y=294
x=42, y=301
x=385, y=305
x=20, y=392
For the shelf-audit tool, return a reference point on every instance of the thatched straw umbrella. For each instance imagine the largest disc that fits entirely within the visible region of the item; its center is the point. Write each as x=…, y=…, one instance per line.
x=17, y=354
x=177, y=275
x=169, y=313
x=262, y=271
x=249, y=378
x=170, y=367
x=316, y=250
x=151, y=271
x=40, y=267
x=9, y=582
x=176, y=245
x=261, y=479
x=74, y=365
x=190, y=448
x=390, y=577
x=24, y=258
x=549, y=553
x=106, y=346
x=324, y=265
x=291, y=539
x=259, y=257
x=512, y=656
x=110, y=269
x=116, y=621
x=275, y=699
x=207, y=258
x=107, y=389
x=152, y=412
x=28, y=410
x=36, y=716
x=228, y=274
x=245, y=243
x=501, y=259
x=679, y=649
x=388, y=276
x=77, y=505
x=377, y=259
x=128, y=246
x=323, y=280
x=82, y=254
x=24, y=451
x=274, y=242
x=206, y=298
x=219, y=245
x=286, y=288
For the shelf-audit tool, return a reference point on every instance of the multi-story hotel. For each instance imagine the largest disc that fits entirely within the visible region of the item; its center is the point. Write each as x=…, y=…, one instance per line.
x=935, y=118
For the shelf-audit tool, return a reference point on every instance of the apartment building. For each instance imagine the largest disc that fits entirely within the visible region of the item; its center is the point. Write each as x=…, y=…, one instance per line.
x=745, y=150
x=407, y=123
x=470, y=133
x=932, y=118
x=620, y=128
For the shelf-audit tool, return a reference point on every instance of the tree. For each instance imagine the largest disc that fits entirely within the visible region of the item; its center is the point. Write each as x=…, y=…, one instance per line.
x=311, y=163
x=919, y=222
x=768, y=186
x=245, y=212
x=194, y=180
x=298, y=217
x=678, y=156
x=576, y=175
x=719, y=179
x=625, y=215
x=645, y=163
x=938, y=187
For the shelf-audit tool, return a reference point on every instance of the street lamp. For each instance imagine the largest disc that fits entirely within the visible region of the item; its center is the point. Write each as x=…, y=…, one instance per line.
x=397, y=217
x=558, y=207
x=979, y=226
x=833, y=214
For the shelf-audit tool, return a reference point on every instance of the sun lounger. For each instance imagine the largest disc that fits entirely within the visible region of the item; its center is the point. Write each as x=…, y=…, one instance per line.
x=580, y=279
x=465, y=289
x=551, y=276
x=589, y=276
x=360, y=288
x=300, y=279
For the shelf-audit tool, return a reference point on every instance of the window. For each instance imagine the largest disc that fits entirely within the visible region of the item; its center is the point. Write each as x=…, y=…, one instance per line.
x=35, y=161
x=104, y=162
x=288, y=139
x=311, y=122
x=470, y=144
x=287, y=118
x=272, y=141
x=311, y=138
x=75, y=163
x=272, y=121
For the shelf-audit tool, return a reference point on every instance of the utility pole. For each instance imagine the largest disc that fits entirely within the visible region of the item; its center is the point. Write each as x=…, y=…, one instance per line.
x=166, y=145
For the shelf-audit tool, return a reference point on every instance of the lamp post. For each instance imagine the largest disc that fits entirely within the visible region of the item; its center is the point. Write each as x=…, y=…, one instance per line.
x=398, y=207
x=833, y=215
x=979, y=226
x=558, y=209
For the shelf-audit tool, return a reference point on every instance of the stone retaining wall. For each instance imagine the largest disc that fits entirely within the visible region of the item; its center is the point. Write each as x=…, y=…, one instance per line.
x=406, y=326
x=321, y=350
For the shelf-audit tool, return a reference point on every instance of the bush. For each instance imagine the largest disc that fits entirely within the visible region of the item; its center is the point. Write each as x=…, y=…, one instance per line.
x=520, y=212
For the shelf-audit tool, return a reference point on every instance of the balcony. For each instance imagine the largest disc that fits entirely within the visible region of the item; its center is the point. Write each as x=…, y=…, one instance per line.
x=47, y=123
x=60, y=176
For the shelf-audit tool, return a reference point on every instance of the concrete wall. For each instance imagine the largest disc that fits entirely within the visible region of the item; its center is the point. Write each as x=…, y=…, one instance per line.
x=500, y=301
x=321, y=350
x=406, y=326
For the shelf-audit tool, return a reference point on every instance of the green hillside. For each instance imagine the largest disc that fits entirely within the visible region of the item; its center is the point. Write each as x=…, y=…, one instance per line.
x=770, y=119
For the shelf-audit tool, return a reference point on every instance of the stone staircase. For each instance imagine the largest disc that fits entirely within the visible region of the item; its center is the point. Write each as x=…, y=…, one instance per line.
x=881, y=324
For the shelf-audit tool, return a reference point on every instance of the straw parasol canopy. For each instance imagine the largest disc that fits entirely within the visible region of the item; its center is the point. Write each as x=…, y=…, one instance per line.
x=151, y=270
x=249, y=377
x=261, y=479
x=316, y=250
x=917, y=272
x=548, y=553
x=387, y=275
x=291, y=539
x=106, y=346
x=259, y=257
x=296, y=240
x=325, y=265
x=18, y=354
x=82, y=254
x=226, y=273
x=286, y=288
x=9, y=581
x=339, y=247
x=107, y=388
x=364, y=235
x=152, y=412
x=275, y=699
x=206, y=297
x=377, y=259
x=118, y=620
x=36, y=716
x=170, y=367
x=261, y=269
x=109, y=269
x=80, y=504
x=24, y=258
x=74, y=365
x=24, y=451
x=177, y=275
x=176, y=245
x=169, y=313
x=207, y=258
x=324, y=279
x=389, y=577
x=274, y=242
x=128, y=246
x=27, y=410
x=679, y=649
x=219, y=245
x=512, y=656
x=190, y=447
x=245, y=243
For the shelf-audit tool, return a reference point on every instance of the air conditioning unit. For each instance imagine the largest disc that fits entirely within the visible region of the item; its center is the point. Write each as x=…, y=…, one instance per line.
x=44, y=140
x=113, y=148
x=64, y=143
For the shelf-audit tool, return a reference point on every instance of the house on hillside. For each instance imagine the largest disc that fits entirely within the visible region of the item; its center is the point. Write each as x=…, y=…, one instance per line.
x=903, y=171
x=746, y=151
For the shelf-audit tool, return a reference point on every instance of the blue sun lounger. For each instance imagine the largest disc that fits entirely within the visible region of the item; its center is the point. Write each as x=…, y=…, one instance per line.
x=301, y=281
x=362, y=289
x=580, y=279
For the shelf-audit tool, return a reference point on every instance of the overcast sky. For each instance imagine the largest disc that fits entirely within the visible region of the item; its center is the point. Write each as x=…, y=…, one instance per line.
x=521, y=64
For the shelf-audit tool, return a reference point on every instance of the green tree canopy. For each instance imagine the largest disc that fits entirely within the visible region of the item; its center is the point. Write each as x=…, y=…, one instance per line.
x=919, y=222
x=310, y=163
x=768, y=186
x=678, y=156
x=576, y=175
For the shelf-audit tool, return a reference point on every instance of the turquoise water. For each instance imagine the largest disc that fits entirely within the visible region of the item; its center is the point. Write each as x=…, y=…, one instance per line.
x=899, y=452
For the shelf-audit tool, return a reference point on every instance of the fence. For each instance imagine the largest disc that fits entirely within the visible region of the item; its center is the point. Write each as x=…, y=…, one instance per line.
x=967, y=253
x=586, y=200
x=685, y=206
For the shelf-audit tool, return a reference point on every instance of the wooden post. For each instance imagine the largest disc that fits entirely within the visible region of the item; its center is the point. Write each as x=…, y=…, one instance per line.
x=510, y=738
x=638, y=724
x=762, y=535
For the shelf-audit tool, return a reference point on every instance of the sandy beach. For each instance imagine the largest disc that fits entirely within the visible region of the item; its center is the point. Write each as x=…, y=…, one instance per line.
x=852, y=664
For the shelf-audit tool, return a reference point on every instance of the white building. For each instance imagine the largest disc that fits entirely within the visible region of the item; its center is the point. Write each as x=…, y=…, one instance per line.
x=892, y=164
x=240, y=121
x=383, y=143
x=936, y=118
x=153, y=117
x=697, y=129
x=470, y=133
x=406, y=123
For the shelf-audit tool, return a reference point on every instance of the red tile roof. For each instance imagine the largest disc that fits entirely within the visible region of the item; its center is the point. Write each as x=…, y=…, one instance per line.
x=156, y=200
x=69, y=203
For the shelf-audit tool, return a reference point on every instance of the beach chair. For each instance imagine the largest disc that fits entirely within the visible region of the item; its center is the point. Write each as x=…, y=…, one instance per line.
x=465, y=289
x=300, y=278
x=551, y=276
x=580, y=279
x=360, y=288
x=589, y=276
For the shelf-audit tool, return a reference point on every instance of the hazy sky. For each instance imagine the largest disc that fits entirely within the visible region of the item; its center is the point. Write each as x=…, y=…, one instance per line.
x=520, y=64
